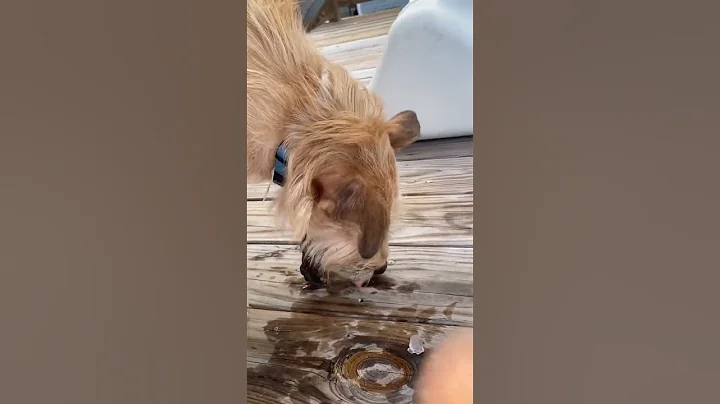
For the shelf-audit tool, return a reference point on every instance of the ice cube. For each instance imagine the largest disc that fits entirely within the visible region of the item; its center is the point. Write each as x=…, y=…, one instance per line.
x=416, y=345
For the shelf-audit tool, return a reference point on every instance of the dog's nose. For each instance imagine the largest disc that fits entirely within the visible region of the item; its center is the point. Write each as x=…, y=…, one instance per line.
x=381, y=270
x=310, y=271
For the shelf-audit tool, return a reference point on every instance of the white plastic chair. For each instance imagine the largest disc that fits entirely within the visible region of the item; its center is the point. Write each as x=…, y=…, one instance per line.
x=427, y=66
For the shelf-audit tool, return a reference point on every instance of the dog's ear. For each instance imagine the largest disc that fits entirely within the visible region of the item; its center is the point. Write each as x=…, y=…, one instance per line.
x=405, y=129
x=352, y=202
x=365, y=209
x=375, y=224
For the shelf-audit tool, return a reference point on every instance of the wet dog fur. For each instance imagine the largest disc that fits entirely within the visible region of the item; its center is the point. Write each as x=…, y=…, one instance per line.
x=341, y=188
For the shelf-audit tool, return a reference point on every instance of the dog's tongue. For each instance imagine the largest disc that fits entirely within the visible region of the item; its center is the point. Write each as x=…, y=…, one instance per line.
x=362, y=281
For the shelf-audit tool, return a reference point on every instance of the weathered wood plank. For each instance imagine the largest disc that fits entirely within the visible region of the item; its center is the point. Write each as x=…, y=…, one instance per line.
x=427, y=177
x=356, y=55
x=354, y=28
x=422, y=284
x=358, y=46
x=303, y=358
x=340, y=37
x=431, y=220
x=358, y=22
x=356, y=43
x=437, y=149
x=363, y=74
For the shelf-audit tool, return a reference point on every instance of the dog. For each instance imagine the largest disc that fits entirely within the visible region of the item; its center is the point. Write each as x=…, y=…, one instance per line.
x=320, y=134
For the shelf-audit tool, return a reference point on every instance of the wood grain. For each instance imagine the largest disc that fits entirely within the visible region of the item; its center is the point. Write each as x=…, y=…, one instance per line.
x=430, y=177
x=421, y=284
x=437, y=149
x=429, y=220
x=363, y=74
x=305, y=358
x=357, y=55
x=354, y=28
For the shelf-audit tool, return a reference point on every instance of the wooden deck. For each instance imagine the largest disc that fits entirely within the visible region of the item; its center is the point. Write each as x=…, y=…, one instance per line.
x=350, y=346
x=356, y=42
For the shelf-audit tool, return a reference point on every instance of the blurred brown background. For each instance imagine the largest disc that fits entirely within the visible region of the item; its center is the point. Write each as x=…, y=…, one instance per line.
x=597, y=234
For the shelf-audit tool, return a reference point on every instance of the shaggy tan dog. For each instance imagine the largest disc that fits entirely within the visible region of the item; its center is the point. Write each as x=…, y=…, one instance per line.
x=341, y=185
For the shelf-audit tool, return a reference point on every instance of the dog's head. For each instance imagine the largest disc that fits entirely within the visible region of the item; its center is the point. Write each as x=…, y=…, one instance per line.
x=342, y=191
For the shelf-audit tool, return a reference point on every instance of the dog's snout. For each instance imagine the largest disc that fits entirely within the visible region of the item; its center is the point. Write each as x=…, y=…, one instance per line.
x=310, y=271
x=381, y=270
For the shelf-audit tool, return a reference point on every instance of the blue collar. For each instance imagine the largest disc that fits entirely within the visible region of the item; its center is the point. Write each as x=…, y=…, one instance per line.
x=281, y=162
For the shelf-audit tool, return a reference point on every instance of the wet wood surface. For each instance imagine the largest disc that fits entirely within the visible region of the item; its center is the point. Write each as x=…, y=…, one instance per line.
x=306, y=358
x=342, y=344
x=421, y=284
